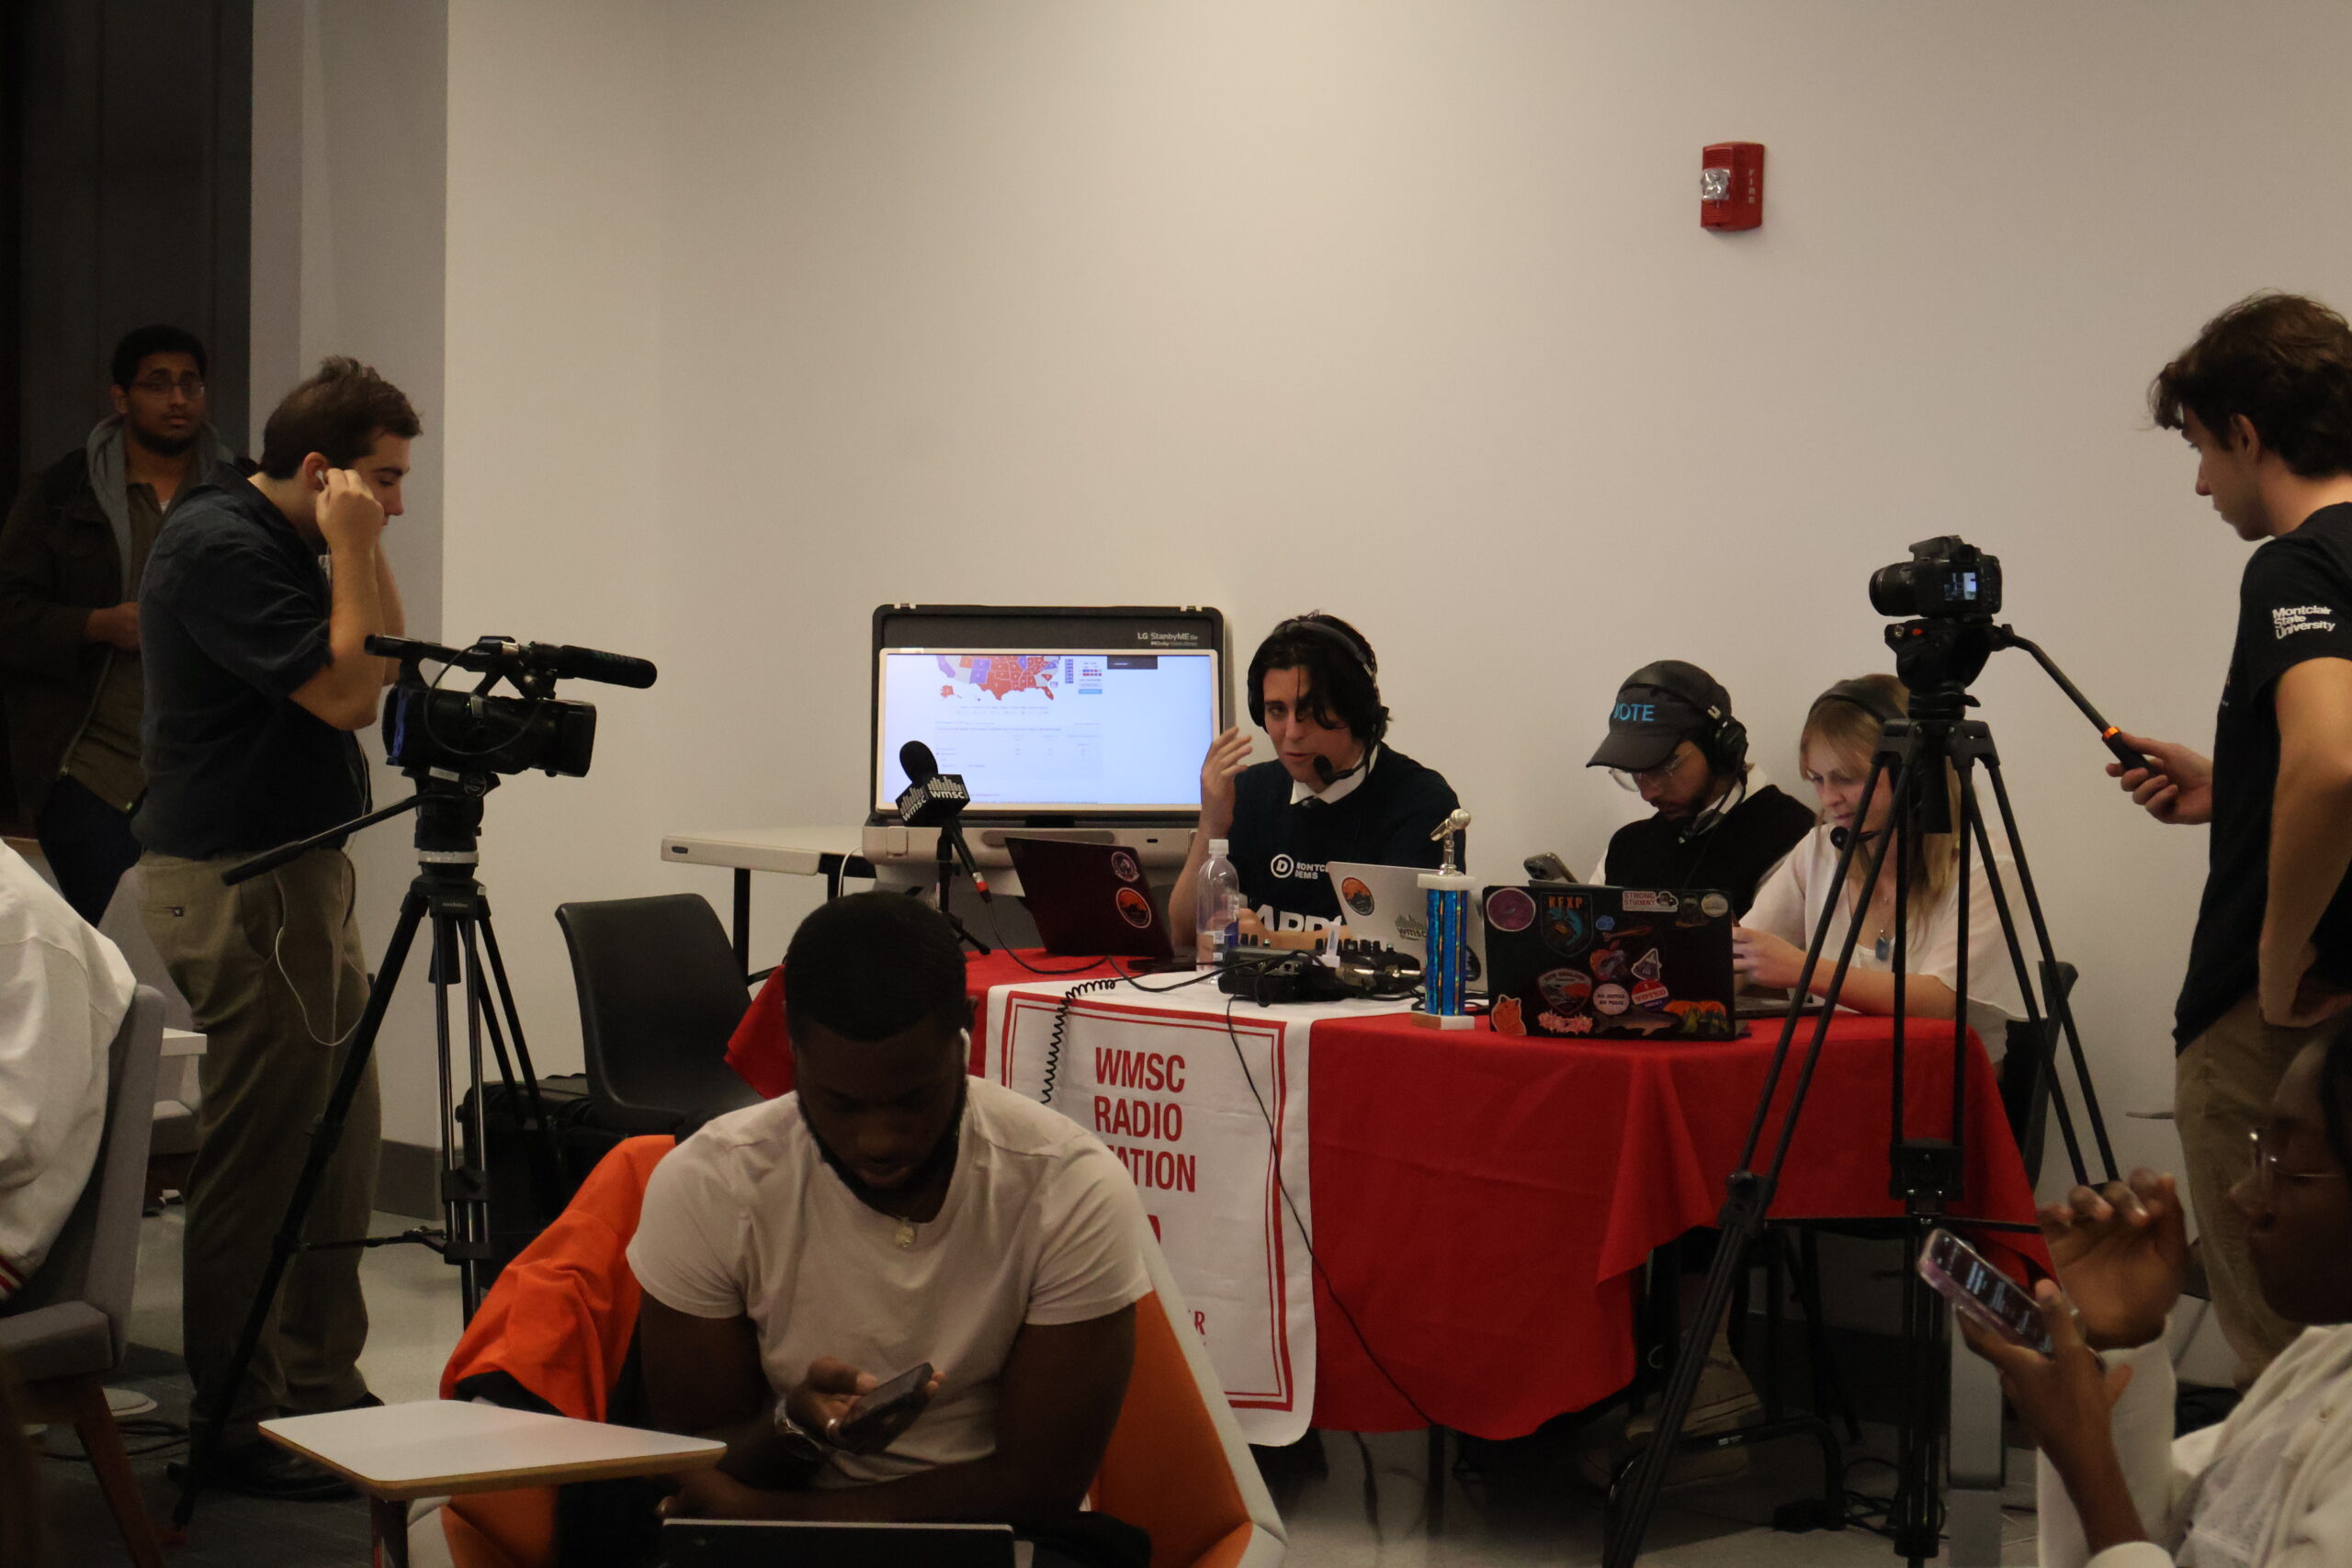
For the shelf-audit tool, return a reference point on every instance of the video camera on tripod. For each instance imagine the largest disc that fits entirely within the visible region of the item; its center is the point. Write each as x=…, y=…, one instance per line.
x=427, y=728
x=453, y=744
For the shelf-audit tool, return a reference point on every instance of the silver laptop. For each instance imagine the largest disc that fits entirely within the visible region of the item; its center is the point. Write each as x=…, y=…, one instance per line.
x=1388, y=904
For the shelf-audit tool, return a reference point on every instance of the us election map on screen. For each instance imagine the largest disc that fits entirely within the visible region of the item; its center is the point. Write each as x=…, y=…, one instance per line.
x=1063, y=731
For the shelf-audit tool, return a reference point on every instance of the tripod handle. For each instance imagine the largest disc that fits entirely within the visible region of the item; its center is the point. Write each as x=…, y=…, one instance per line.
x=2123, y=751
x=2110, y=735
x=270, y=860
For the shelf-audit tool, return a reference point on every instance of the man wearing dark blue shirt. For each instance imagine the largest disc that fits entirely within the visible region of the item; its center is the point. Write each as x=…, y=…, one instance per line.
x=257, y=676
x=1335, y=790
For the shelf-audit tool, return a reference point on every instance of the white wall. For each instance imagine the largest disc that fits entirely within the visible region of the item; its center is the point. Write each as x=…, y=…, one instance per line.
x=350, y=152
x=759, y=315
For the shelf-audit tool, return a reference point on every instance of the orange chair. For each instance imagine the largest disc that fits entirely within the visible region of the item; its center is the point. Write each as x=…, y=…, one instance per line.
x=1177, y=1465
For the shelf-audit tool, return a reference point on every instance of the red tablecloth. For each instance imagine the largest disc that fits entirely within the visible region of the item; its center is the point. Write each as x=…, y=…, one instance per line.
x=1483, y=1204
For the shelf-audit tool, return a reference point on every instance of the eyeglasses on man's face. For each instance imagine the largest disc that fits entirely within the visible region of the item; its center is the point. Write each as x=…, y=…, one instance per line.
x=189, y=387
x=1635, y=778
x=2265, y=1174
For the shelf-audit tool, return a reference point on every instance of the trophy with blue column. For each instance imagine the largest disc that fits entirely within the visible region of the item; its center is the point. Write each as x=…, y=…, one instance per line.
x=1448, y=890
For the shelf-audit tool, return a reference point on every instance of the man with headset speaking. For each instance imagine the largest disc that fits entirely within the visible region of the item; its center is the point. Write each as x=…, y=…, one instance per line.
x=1715, y=821
x=1334, y=791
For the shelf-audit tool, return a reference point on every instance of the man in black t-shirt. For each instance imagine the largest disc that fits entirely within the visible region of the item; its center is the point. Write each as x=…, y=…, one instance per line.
x=257, y=674
x=1334, y=791
x=2265, y=396
x=1715, y=820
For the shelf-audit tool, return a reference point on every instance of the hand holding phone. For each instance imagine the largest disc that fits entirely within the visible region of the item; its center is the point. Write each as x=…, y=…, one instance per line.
x=1959, y=1272
x=884, y=1412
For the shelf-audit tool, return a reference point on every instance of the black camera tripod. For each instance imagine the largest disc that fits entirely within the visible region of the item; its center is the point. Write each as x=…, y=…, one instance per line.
x=1936, y=658
x=449, y=827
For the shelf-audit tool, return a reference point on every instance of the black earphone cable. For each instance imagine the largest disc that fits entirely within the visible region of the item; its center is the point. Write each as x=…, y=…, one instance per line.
x=1314, y=1261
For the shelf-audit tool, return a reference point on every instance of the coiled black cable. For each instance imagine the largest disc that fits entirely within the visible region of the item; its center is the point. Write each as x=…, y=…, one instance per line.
x=1061, y=1026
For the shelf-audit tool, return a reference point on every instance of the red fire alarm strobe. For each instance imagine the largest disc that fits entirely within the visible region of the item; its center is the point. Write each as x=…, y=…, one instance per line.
x=1731, y=186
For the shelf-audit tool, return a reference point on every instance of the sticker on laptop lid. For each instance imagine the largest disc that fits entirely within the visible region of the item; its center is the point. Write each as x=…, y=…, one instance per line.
x=1610, y=1000
x=1637, y=901
x=1133, y=908
x=1123, y=866
x=1565, y=929
x=1355, y=895
x=1510, y=909
x=1566, y=991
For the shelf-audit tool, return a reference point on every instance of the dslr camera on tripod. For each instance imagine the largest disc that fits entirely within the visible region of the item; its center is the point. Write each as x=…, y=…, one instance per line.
x=428, y=727
x=1951, y=591
x=1945, y=577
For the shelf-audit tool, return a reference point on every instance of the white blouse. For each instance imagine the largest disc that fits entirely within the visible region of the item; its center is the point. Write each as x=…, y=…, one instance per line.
x=1790, y=903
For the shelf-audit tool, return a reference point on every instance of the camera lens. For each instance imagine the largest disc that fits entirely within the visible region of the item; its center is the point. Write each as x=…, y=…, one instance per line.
x=1892, y=590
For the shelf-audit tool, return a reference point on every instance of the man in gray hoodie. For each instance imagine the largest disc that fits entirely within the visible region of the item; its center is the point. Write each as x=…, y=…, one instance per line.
x=70, y=555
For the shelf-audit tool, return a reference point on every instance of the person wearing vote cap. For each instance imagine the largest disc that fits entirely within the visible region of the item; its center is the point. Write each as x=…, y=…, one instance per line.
x=1715, y=821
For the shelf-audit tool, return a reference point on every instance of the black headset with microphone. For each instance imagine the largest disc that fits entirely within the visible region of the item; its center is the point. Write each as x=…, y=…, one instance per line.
x=1359, y=654
x=1863, y=693
x=1723, y=742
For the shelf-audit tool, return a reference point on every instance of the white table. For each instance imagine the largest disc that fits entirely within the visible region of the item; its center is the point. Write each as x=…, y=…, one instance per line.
x=181, y=1047
x=830, y=852
x=397, y=1454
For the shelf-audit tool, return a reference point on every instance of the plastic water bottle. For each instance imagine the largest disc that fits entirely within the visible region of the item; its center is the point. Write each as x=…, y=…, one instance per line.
x=1216, y=907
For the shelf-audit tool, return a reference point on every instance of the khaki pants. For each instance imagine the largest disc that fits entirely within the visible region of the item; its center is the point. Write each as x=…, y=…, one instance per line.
x=2222, y=1086
x=270, y=968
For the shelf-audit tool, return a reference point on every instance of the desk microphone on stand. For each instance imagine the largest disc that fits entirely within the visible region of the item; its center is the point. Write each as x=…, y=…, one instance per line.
x=933, y=799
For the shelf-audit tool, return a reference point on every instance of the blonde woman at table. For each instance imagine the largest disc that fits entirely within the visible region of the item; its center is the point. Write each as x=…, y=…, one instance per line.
x=1841, y=732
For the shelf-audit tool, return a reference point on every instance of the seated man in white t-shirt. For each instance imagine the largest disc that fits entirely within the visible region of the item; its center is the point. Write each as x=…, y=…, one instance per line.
x=2270, y=1487
x=64, y=990
x=891, y=1211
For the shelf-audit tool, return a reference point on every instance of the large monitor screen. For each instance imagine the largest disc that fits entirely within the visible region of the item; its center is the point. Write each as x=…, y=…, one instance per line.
x=1080, y=731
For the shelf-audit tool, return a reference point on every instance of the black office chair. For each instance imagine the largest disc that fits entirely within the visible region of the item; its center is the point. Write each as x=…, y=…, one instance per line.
x=660, y=996
x=2029, y=1078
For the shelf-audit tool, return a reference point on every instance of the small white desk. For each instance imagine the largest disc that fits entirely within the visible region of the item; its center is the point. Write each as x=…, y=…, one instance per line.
x=181, y=1047
x=830, y=852
x=434, y=1448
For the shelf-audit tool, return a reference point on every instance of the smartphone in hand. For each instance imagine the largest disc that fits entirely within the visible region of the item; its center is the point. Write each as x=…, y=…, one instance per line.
x=884, y=1412
x=1960, y=1272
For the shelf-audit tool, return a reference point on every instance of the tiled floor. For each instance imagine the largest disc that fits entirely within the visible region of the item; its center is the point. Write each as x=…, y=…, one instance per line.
x=1527, y=1510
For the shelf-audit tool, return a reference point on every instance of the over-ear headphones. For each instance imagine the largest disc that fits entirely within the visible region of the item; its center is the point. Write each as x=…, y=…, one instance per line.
x=1864, y=694
x=1723, y=742
x=1356, y=651
x=1359, y=654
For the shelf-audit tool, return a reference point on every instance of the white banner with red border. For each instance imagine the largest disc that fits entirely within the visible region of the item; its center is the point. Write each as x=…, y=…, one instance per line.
x=1194, y=1108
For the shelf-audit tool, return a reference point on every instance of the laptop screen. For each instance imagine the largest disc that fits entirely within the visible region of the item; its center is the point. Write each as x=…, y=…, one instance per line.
x=1088, y=731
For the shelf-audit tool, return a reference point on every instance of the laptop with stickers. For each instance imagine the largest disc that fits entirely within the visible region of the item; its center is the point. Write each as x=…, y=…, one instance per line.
x=1090, y=900
x=1610, y=963
x=1388, y=904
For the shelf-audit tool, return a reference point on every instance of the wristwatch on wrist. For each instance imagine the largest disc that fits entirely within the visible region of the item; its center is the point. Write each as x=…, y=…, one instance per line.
x=799, y=1442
